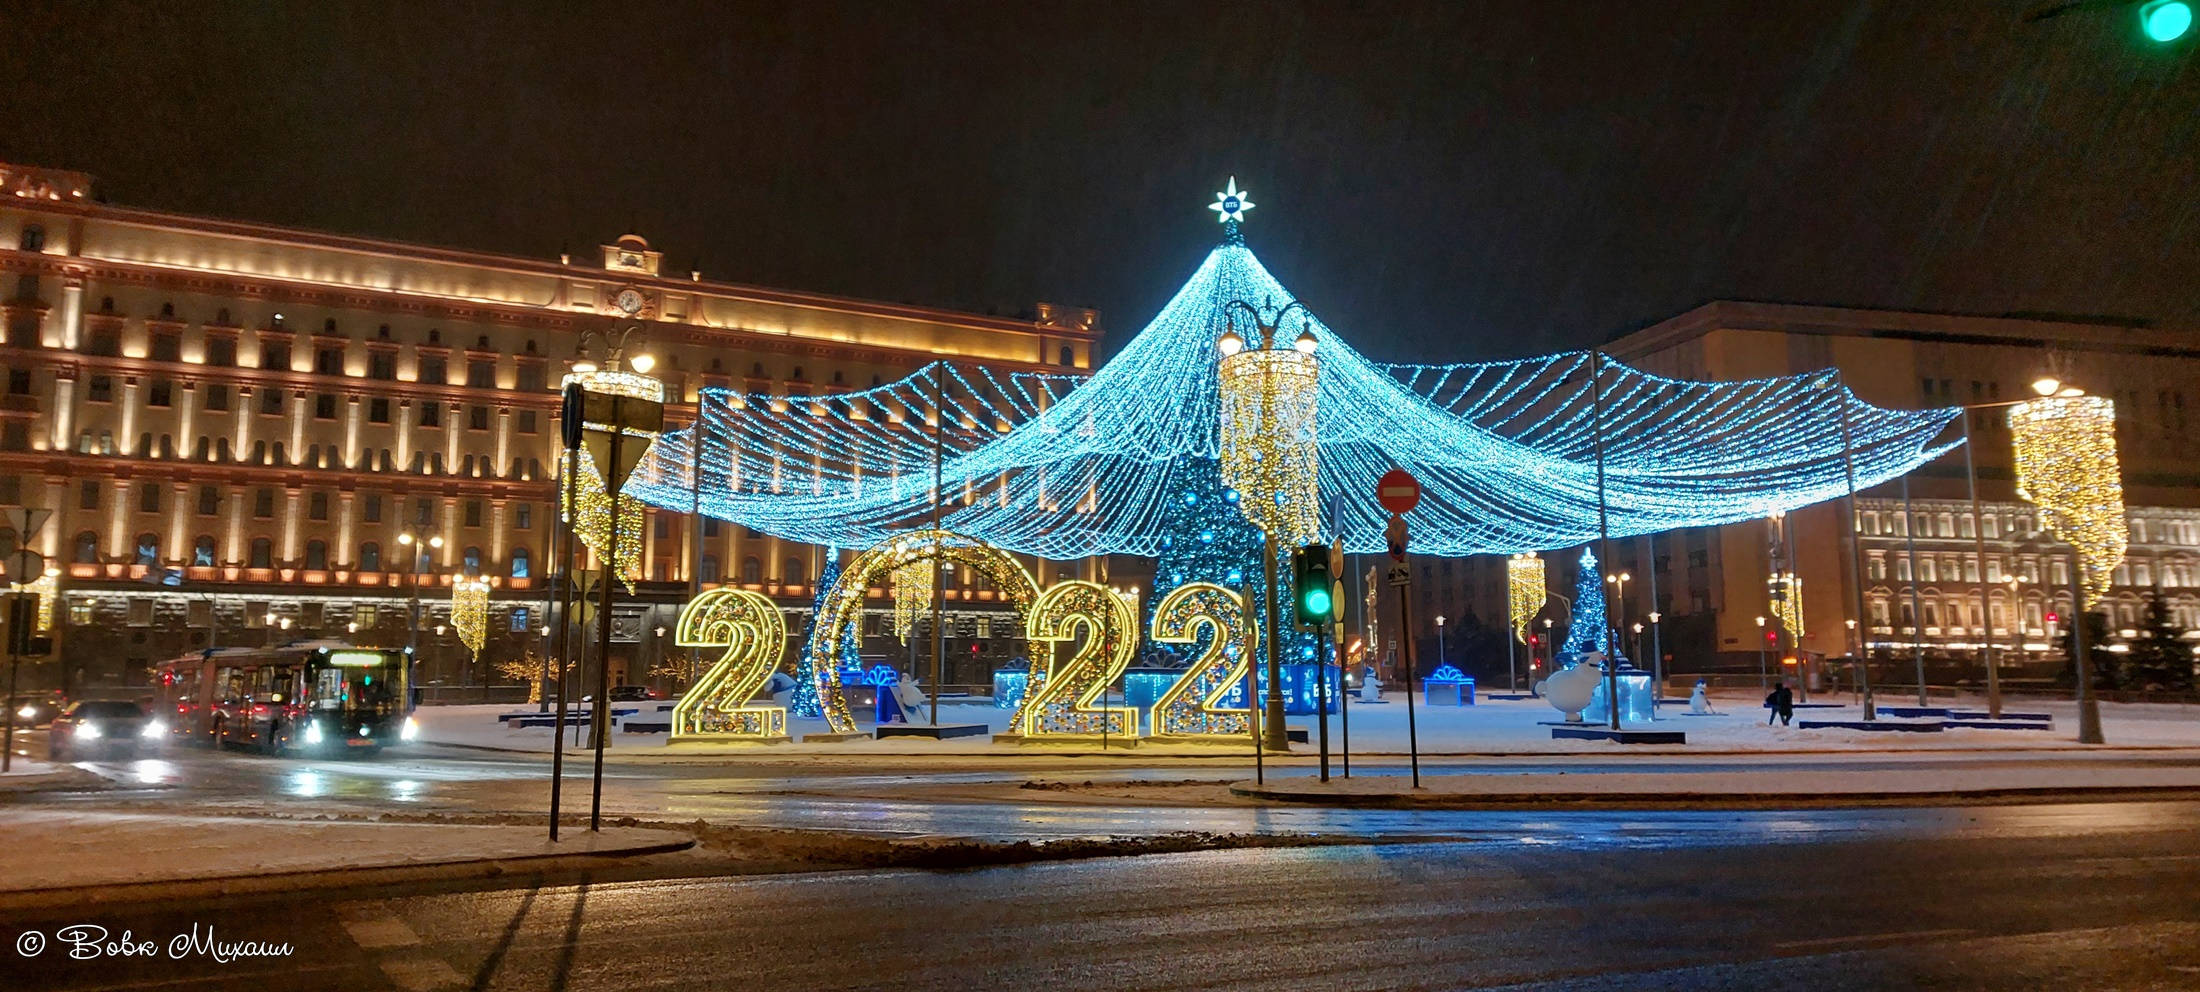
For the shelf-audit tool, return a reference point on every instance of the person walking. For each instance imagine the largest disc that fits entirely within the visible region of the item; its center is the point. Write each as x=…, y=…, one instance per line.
x=1781, y=702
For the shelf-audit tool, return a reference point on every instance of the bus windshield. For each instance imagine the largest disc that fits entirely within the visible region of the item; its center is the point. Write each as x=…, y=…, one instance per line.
x=355, y=688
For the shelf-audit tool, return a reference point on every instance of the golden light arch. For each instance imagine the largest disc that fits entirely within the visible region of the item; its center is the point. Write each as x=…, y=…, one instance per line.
x=844, y=602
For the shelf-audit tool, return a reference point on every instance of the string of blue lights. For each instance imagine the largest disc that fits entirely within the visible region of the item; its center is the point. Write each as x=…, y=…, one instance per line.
x=1063, y=466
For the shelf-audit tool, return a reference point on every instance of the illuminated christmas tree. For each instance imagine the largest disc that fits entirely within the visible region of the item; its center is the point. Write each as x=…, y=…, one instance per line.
x=805, y=702
x=1588, y=630
x=1205, y=538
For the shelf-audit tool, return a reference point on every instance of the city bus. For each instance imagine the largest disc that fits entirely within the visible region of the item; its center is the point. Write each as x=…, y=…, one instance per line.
x=315, y=697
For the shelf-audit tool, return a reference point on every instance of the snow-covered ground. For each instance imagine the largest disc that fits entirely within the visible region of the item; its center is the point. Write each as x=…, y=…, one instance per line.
x=23, y=767
x=1499, y=726
x=1681, y=785
x=75, y=847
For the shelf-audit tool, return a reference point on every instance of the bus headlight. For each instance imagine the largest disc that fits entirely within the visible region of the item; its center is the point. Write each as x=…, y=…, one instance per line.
x=313, y=733
x=153, y=730
x=410, y=731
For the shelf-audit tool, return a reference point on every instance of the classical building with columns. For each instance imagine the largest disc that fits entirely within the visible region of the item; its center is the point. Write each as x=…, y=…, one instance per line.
x=238, y=427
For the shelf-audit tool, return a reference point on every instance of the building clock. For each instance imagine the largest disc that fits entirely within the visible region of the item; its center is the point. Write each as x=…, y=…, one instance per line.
x=629, y=301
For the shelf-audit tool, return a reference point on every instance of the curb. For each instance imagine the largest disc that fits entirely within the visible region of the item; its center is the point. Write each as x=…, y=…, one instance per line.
x=1716, y=800
x=67, y=778
x=176, y=890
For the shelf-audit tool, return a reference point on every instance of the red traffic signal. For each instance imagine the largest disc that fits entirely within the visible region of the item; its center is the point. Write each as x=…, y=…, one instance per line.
x=1772, y=636
x=2051, y=618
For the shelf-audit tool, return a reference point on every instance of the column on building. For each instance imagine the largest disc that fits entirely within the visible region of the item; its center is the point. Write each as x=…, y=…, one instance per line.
x=351, y=431
x=297, y=428
x=118, y=530
x=64, y=410
x=57, y=494
x=243, y=431
x=126, y=433
x=498, y=468
x=291, y=495
x=405, y=426
x=72, y=313
x=185, y=397
x=234, y=536
x=179, y=537
x=345, y=555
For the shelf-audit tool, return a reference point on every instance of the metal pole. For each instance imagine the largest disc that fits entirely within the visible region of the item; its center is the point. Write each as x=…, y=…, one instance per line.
x=17, y=617
x=1405, y=629
x=1275, y=732
x=1657, y=614
x=1764, y=676
x=600, y=712
x=2089, y=712
x=1604, y=531
x=1856, y=552
x=1985, y=599
x=1917, y=615
x=1512, y=662
x=695, y=523
x=565, y=633
x=1251, y=642
x=939, y=496
x=1344, y=697
x=1321, y=696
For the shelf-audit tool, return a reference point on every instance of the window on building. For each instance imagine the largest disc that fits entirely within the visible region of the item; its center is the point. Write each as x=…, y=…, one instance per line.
x=431, y=413
x=707, y=569
x=86, y=548
x=106, y=342
x=164, y=346
x=100, y=389
x=523, y=516
x=271, y=401
x=522, y=564
x=33, y=238
x=149, y=497
x=11, y=490
x=15, y=435
x=526, y=420
x=711, y=526
x=87, y=495
x=532, y=377
x=792, y=572
x=317, y=555
x=752, y=570
x=370, y=557
x=521, y=619
x=317, y=506
x=148, y=549
x=433, y=370
x=274, y=355
x=481, y=373
x=423, y=512
x=221, y=351
x=477, y=418
x=19, y=382
x=382, y=364
x=263, y=504
x=371, y=510
x=263, y=553
x=472, y=559
x=160, y=393
x=217, y=398
x=473, y=513
x=202, y=551
x=663, y=527
x=328, y=361
x=324, y=406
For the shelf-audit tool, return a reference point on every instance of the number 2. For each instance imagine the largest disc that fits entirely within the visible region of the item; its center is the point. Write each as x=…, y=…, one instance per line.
x=753, y=633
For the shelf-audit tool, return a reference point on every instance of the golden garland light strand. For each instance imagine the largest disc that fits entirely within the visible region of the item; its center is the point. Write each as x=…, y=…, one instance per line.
x=912, y=596
x=593, y=523
x=1790, y=608
x=1061, y=705
x=2066, y=464
x=1192, y=707
x=753, y=633
x=470, y=613
x=1269, y=453
x=1525, y=591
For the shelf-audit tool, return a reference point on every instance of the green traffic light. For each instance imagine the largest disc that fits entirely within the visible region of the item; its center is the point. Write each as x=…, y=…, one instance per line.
x=1317, y=601
x=2166, y=20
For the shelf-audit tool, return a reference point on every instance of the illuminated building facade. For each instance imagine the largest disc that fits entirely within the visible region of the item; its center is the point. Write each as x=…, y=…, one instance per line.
x=235, y=425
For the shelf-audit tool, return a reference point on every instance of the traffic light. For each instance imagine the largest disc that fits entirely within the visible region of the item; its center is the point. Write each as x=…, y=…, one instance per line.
x=2165, y=21
x=1310, y=580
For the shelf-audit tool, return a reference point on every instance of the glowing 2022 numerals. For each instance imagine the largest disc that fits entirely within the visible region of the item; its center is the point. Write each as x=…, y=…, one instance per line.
x=1061, y=703
x=753, y=632
x=1192, y=707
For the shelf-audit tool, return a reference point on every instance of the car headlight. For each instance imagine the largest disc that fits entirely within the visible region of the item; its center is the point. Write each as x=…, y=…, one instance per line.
x=28, y=712
x=87, y=730
x=313, y=733
x=153, y=729
x=410, y=731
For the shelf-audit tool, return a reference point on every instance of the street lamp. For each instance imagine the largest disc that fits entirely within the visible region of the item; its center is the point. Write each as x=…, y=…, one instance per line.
x=1439, y=640
x=1764, y=680
x=1269, y=396
x=419, y=549
x=1619, y=581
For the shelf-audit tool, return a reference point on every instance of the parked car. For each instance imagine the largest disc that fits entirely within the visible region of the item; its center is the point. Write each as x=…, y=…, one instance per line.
x=632, y=693
x=102, y=728
x=37, y=711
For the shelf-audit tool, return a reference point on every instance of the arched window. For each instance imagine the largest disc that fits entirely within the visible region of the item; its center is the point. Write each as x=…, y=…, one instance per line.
x=473, y=560
x=752, y=570
x=317, y=555
x=148, y=549
x=370, y=557
x=791, y=572
x=34, y=238
x=263, y=553
x=522, y=564
x=8, y=548
x=87, y=548
x=707, y=571
x=1069, y=355
x=202, y=551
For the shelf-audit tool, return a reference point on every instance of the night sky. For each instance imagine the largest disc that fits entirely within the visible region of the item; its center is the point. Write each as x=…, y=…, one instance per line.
x=1444, y=181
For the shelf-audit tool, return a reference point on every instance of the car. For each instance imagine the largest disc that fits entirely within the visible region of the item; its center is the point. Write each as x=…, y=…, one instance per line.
x=37, y=711
x=632, y=693
x=102, y=728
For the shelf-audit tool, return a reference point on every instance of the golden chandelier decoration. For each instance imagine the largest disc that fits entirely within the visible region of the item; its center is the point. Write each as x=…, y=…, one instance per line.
x=470, y=612
x=1269, y=453
x=1524, y=576
x=1786, y=594
x=2066, y=465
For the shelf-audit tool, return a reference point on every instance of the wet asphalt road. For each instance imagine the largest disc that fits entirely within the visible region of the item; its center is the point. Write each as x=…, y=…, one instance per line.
x=2098, y=896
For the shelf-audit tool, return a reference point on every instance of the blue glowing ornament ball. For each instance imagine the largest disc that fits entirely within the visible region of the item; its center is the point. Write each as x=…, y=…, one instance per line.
x=2165, y=20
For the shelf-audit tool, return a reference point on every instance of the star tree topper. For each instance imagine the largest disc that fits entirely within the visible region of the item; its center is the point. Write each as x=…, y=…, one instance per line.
x=1230, y=203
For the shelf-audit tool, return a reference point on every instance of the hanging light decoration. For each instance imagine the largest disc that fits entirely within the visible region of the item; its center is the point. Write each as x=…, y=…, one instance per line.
x=470, y=612
x=1269, y=451
x=2066, y=465
x=1786, y=593
x=593, y=506
x=1525, y=578
x=912, y=595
